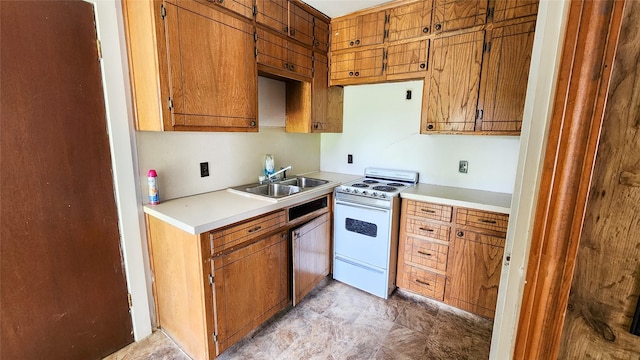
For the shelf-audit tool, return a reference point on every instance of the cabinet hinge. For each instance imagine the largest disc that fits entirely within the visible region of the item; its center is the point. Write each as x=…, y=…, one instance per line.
x=214, y=337
x=387, y=18
x=486, y=47
x=211, y=279
x=479, y=114
x=163, y=11
x=255, y=36
x=255, y=10
x=99, y=46
x=386, y=34
x=129, y=301
x=255, y=51
x=490, y=13
x=170, y=102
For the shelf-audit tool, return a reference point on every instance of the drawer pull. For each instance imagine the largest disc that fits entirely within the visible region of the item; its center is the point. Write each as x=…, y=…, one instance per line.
x=423, y=282
x=425, y=229
x=428, y=211
x=424, y=253
x=488, y=221
x=460, y=234
x=255, y=229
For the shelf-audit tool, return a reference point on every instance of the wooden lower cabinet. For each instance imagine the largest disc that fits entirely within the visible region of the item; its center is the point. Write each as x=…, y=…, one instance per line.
x=251, y=284
x=452, y=254
x=311, y=253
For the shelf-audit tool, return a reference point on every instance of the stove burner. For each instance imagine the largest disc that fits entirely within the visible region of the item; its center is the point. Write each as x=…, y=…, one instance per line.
x=384, y=188
x=395, y=184
x=370, y=181
x=359, y=185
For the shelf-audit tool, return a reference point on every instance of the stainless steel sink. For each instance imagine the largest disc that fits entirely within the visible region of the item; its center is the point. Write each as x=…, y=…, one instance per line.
x=274, y=190
x=280, y=189
x=304, y=182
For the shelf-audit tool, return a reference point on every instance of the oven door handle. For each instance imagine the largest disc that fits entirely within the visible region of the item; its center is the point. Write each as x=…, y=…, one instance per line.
x=361, y=206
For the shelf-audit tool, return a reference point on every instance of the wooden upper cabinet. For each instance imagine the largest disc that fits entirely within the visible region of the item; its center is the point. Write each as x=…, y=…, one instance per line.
x=451, y=15
x=211, y=61
x=242, y=7
x=300, y=24
x=452, y=84
x=407, y=60
x=505, y=76
x=284, y=57
x=360, y=30
x=511, y=9
x=410, y=21
x=274, y=14
x=320, y=35
x=360, y=66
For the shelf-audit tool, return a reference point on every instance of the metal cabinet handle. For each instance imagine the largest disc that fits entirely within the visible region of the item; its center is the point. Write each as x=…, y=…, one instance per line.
x=350, y=73
x=423, y=65
x=286, y=66
x=255, y=229
x=424, y=253
x=253, y=123
x=351, y=43
x=357, y=73
x=460, y=234
x=422, y=282
x=428, y=211
x=425, y=229
x=317, y=43
x=425, y=29
x=291, y=67
x=357, y=42
x=293, y=32
x=438, y=27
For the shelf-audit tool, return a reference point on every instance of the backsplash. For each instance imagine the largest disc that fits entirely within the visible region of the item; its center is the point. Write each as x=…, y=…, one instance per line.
x=382, y=129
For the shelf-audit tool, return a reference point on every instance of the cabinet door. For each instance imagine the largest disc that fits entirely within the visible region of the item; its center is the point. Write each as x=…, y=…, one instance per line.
x=367, y=29
x=319, y=89
x=300, y=24
x=272, y=49
x=343, y=33
x=369, y=63
x=342, y=66
x=371, y=29
x=299, y=59
x=505, y=76
x=320, y=35
x=250, y=285
x=242, y=7
x=408, y=59
x=274, y=14
x=410, y=21
x=475, y=262
x=511, y=9
x=211, y=61
x=311, y=255
x=357, y=66
x=451, y=15
x=451, y=87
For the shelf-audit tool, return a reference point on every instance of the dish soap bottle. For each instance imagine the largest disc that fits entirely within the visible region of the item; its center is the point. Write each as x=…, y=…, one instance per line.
x=269, y=165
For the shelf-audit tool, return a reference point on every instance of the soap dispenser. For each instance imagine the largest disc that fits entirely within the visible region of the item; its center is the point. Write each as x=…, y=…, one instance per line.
x=269, y=165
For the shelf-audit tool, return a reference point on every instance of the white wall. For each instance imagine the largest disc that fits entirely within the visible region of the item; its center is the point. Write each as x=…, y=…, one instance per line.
x=234, y=158
x=382, y=129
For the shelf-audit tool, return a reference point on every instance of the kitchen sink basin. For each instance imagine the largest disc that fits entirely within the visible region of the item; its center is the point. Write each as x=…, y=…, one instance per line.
x=279, y=189
x=274, y=190
x=304, y=182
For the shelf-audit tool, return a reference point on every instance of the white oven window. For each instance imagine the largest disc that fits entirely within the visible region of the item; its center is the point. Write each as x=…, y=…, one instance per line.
x=361, y=227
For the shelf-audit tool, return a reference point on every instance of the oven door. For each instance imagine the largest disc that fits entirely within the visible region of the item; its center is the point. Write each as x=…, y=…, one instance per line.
x=362, y=233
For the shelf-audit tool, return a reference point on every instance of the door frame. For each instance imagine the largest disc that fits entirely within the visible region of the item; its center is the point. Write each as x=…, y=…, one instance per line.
x=124, y=163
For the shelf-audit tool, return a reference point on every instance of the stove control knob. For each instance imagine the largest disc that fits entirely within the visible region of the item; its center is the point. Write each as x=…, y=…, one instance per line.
x=346, y=189
x=365, y=192
x=383, y=196
x=355, y=191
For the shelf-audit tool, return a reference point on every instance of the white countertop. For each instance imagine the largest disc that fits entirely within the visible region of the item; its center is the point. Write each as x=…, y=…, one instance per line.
x=204, y=212
x=476, y=199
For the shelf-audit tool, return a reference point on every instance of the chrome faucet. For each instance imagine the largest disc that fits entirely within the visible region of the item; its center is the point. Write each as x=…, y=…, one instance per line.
x=283, y=170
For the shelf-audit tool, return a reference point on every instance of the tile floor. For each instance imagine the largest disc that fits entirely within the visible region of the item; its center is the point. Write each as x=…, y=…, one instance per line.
x=337, y=321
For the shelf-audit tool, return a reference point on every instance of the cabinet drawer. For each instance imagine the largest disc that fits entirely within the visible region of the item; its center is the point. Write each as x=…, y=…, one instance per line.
x=425, y=253
x=428, y=229
x=480, y=238
x=230, y=237
x=429, y=211
x=424, y=282
x=482, y=219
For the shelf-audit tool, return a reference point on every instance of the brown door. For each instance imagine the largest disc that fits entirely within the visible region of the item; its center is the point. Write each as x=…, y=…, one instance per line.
x=63, y=292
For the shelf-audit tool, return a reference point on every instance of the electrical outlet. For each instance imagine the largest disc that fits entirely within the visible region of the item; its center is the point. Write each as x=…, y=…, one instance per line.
x=408, y=97
x=349, y=159
x=463, y=166
x=204, y=169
